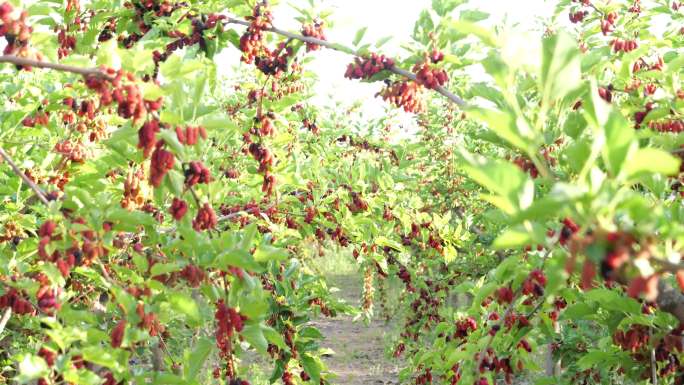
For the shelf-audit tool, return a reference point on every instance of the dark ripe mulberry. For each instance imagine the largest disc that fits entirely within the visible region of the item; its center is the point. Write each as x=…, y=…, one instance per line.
x=178, y=209
x=365, y=68
x=196, y=173
x=206, y=219
x=161, y=162
x=147, y=137
x=118, y=334
x=430, y=77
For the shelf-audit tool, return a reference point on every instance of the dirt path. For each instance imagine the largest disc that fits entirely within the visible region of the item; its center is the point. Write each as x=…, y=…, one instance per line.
x=359, y=357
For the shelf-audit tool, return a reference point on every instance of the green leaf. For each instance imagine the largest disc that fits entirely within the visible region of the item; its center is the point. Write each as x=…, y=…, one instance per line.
x=620, y=142
x=596, y=110
x=186, y=305
x=51, y=271
x=578, y=311
x=163, y=268
x=575, y=123
x=102, y=356
x=549, y=205
x=274, y=337
x=513, y=238
x=513, y=189
x=312, y=368
x=359, y=35
x=255, y=336
x=474, y=15
x=604, y=359
x=444, y=7
x=129, y=220
x=170, y=138
x=237, y=258
x=651, y=161
x=490, y=93
x=81, y=377
x=176, y=182
x=194, y=361
x=505, y=125
x=266, y=253
x=612, y=300
x=386, y=242
x=218, y=122
x=253, y=306
x=310, y=332
x=168, y=379
x=560, y=71
x=248, y=236
x=383, y=41
x=469, y=28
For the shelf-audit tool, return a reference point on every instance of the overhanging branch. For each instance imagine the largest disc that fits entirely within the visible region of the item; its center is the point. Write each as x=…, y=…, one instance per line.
x=39, y=193
x=337, y=47
x=20, y=61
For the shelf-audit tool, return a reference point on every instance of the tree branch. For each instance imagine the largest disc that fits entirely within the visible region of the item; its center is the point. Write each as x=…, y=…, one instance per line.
x=5, y=318
x=20, y=61
x=338, y=47
x=39, y=193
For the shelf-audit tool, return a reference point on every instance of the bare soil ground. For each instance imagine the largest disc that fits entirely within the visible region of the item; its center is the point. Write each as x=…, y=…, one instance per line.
x=359, y=357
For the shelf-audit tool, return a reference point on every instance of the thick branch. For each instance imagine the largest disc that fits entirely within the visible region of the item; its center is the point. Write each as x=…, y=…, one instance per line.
x=337, y=47
x=671, y=300
x=20, y=61
x=39, y=193
x=5, y=318
x=157, y=358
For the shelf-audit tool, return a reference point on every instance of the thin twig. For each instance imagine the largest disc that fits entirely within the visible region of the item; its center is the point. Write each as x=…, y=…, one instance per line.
x=39, y=193
x=195, y=196
x=654, y=364
x=596, y=9
x=20, y=61
x=337, y=47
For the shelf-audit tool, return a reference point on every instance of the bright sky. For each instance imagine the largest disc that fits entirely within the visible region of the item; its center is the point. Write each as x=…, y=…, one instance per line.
x=388, y=18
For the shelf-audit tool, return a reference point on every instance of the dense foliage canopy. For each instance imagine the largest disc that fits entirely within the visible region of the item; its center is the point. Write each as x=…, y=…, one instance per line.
x=159, y=217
